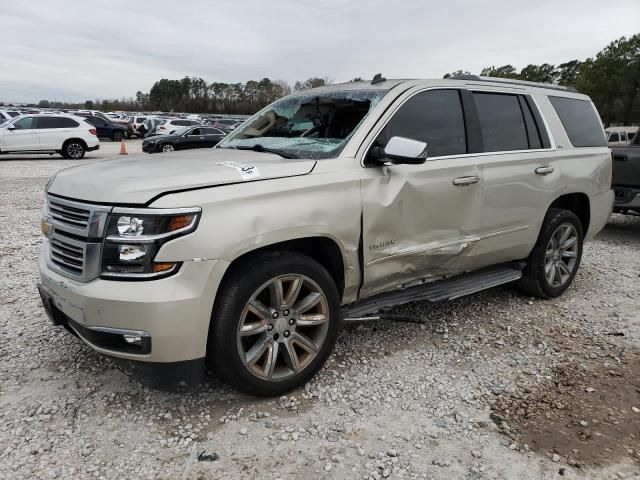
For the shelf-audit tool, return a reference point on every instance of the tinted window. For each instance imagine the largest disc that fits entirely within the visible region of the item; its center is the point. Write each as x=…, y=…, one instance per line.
x=140, y=119
x=501, y=122
x=24, y=123
x=214, y=131
x=180, y=123
x=580, y=121
x=95, y=121
x=14, y=114
x=614, y=137
x=56, y=122
x=196, y=131
x=434, y=117
x=533, y=133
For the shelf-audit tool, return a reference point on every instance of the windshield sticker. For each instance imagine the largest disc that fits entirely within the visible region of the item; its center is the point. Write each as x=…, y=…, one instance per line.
x=247, y=172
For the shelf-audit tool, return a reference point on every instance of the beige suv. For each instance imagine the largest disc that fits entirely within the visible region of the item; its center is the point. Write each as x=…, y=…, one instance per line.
x=327, y=205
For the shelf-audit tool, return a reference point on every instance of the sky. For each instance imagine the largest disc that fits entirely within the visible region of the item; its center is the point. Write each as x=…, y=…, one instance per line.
x=75, y=50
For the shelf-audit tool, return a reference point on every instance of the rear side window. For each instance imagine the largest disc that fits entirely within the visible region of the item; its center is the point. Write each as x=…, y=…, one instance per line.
x=580, y=121
x=502, y=123
x=434, y=117
x=57, y=122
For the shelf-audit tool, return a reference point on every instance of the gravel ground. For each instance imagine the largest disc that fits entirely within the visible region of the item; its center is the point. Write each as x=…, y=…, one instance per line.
x=492, y=386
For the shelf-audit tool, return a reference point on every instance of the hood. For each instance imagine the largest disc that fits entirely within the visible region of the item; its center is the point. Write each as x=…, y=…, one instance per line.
x=136, y=179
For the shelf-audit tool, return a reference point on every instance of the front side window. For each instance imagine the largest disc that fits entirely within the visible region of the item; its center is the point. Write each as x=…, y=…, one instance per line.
x=25, y=123
x=434, y=117
x=502, y=123
x=329, y=119
x=614, y=137
x=580, y=121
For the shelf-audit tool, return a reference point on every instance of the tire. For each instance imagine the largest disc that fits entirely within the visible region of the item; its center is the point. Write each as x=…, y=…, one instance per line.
x=117, y=136
x=73, y=149
x=167, y=147
x=550, y=270
x=300, y=350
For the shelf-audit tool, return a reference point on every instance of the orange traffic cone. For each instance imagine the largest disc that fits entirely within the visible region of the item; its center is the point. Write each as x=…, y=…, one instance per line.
x=123, y=148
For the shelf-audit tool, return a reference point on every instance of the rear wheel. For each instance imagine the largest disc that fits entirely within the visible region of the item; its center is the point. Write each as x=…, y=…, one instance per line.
x=555, y=259
x=117, y=136
x=167, y=147
x=73, y=149
x=274, y=323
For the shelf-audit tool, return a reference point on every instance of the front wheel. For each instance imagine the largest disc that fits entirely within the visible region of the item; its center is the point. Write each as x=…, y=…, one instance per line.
x=555, y=259
x=274, y=323
x=167, y=147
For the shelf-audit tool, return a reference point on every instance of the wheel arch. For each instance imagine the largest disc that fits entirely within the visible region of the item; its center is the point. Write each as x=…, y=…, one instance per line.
x=323, y=250
x=64, y=144
x=578, y=203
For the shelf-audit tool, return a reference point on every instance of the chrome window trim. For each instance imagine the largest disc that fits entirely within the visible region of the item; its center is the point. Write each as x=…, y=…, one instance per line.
x=519, y=91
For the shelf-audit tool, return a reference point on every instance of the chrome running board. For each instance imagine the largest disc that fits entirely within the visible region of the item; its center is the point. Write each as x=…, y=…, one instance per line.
x=441, y=290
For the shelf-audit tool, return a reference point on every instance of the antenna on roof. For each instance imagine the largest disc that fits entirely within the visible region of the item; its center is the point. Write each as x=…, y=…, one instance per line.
x=378, y=78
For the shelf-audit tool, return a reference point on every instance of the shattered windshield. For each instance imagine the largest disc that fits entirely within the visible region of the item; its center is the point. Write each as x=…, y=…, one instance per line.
x=313, y=125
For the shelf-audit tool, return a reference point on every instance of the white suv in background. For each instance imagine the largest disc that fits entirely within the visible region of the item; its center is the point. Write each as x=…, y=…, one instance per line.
x=68, y=136
x=172, y=125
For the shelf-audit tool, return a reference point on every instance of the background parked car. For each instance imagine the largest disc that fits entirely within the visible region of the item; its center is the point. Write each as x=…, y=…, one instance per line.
x=171, y=125
x=620, y=135
x=68, y=136
x=149, y=126
x=105, y=127
x=184, y=138
x=226, y=125
x=136, y=122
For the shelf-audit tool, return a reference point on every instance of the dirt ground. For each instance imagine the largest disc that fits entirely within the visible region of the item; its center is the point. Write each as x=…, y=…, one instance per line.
x=496, y=385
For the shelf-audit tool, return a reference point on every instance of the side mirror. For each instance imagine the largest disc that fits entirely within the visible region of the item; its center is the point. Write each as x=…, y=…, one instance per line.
x=401, y=150
x=11, y=127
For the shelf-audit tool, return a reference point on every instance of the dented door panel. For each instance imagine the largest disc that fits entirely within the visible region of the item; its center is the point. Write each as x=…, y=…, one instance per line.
x=417, y=224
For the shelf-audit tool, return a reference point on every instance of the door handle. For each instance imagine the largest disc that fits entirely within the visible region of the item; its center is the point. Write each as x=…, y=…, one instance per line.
x=544, y=170
x=464, y=181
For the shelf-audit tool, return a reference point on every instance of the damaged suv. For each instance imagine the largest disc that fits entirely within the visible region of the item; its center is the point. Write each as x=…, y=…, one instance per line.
x=328, y=205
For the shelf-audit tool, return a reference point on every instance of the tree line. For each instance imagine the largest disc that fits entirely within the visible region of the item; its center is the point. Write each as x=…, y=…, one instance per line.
x=611, y=78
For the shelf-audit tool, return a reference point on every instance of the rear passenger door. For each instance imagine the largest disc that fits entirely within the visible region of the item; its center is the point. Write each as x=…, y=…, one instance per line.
x=518, y=173
x=53, y=131
x=213, y=136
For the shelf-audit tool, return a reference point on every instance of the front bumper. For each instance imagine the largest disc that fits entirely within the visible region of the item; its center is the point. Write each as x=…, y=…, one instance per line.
x=148, y=147
x=174, y=312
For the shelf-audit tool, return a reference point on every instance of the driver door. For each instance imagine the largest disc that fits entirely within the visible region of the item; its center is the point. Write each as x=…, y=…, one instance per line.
x=422, y=221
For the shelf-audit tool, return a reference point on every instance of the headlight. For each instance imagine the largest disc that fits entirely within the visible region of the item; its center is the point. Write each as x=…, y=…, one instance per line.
x=134, y=237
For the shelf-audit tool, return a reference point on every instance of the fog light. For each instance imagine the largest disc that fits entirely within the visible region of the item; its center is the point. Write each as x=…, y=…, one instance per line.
x=132, y=253
x=133, y=339
x=130, y=226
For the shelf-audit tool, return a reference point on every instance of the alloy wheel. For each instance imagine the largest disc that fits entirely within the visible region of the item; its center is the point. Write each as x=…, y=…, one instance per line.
x=167, y=148
x=282, y=327
x=561, y=255
x=74, y=150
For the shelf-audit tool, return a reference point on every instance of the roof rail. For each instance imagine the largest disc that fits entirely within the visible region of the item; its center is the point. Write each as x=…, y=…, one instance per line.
x=524, y=83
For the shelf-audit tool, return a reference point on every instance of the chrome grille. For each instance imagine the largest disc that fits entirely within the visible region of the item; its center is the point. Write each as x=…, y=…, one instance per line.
x=67, y=255
x=74, y=240
x=65, y=214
